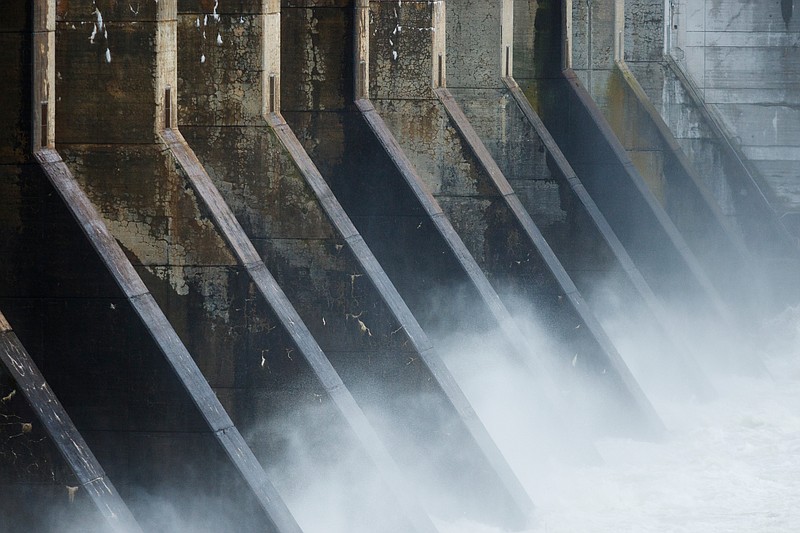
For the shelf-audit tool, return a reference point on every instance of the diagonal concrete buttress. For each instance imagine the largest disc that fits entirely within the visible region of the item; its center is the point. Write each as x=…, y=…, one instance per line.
x=394, y=215
x=82, y=312
x=668, y=100
x=43, y=458
x=210, y=260
x=720, y=249
x=696, y=137
x=641, y=223
x=480, y=80
x=301, y=232
x=204, y=270
x=666, y=172
x=488, y=227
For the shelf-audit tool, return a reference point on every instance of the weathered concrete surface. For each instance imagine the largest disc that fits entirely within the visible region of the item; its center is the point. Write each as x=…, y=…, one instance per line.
x=598, y=56
x=456, y=276
x=587, y=248
x=526, y=162
x=481, y=60
x=107, y=371
x=383, y=209
x=168, y=225
x=743, y=60
x=539, y=63
x=113, y=104
x=322, y=268
x=43, y=457
x=594, y=30
x=747, y=200
x=492, y=233
x=395, y=495
x=645, y=30
x=479, y=208
x=157, y=219
x=677, y=186
x=648, y=234
x=736, y=47
x=738, y=192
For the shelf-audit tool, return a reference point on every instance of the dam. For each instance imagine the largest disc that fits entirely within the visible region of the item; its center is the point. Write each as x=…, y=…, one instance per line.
x=372, y=265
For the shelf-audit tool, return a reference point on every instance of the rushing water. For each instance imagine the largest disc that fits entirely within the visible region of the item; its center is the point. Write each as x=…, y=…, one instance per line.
x=728, y=465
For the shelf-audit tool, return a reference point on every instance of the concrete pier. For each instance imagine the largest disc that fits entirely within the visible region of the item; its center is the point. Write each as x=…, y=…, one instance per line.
x=265, y=260
x=571, y=223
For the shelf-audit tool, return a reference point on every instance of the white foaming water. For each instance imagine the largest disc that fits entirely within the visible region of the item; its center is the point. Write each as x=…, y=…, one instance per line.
x=731, y=465
x=728, y=465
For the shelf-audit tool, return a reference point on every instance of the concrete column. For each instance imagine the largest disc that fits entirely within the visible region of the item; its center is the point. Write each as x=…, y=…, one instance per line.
x=166, y=66
x=507, y=39
x=588, y=252
x=596, y=40
x=43, y=109
x=433, y=52
x=566, y=29
x=488, y=54
x=438, y=48
x=361, y=49
x=479, y=59
x=271, y=57
x=406, y=42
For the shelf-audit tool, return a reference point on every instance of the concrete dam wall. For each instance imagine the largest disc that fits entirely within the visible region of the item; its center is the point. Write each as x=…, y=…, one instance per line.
x=262, y=262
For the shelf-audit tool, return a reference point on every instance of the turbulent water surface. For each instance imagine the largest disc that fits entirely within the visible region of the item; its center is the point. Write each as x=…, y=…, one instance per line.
x=728, y=465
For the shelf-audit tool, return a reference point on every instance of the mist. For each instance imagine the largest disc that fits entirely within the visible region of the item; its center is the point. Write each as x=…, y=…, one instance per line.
x=726, y=463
